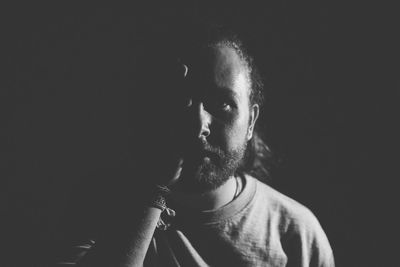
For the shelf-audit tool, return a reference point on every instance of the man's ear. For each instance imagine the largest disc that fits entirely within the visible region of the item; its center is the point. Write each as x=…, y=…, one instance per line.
x=254, y=112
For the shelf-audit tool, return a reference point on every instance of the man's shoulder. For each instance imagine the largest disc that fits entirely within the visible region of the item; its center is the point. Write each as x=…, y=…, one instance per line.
x=299, y=231
x=287, y=212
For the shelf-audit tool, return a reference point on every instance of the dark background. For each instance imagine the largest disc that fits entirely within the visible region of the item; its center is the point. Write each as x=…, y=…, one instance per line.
x=67, y=76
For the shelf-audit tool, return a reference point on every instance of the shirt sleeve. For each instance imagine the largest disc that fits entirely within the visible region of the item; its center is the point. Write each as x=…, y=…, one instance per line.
x=306, y=244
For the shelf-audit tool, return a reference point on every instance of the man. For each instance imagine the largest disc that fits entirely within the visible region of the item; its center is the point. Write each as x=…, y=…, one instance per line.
x=206, y=209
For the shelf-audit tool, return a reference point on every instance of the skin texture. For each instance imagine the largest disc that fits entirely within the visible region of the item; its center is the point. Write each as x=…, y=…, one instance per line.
x=215, y=123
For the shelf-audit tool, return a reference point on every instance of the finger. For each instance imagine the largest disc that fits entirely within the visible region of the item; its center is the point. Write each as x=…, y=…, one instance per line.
x=177, y=173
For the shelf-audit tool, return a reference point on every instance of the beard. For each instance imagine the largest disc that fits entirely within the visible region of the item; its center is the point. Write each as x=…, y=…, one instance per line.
x=210, y=168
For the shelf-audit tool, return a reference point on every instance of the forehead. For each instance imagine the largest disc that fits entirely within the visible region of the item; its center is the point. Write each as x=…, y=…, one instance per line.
x=219, y=67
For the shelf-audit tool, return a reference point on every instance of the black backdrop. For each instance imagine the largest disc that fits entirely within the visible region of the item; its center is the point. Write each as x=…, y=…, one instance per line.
x=332, y=88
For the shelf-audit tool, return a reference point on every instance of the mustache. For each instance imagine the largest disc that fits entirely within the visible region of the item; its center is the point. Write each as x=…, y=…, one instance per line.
x=202, y=148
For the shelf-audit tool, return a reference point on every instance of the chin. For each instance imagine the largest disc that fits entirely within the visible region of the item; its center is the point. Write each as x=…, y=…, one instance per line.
x=205, y=178
x=200, y=175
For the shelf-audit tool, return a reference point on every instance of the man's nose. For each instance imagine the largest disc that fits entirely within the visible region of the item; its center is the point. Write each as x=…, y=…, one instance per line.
x=203, y=118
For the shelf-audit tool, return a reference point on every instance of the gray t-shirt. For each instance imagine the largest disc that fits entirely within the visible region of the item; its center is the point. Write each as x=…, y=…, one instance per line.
x=261, y=227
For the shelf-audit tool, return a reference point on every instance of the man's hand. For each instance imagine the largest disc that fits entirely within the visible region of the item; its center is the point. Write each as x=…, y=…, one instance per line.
x=164, y=154
x=166, y=169
x=172, y=179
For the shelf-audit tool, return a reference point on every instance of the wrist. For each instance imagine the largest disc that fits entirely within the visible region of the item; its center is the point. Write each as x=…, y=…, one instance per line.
x=159, y=201
x=158, y=197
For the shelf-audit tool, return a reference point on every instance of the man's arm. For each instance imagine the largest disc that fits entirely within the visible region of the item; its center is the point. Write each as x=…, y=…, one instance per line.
x=126, y=244
x=126, y=249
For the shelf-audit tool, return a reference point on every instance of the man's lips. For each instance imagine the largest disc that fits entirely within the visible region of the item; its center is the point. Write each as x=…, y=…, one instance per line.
x=197, y=151
x=199, y=157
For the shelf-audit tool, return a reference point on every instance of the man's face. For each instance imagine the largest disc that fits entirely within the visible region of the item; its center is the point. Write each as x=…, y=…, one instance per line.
x=216, y=119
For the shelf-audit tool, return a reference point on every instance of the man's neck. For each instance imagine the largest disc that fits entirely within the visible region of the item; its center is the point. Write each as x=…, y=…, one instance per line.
x=210, y=200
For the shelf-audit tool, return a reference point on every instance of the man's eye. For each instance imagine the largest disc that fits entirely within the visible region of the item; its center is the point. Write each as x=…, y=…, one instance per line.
x=221, y=105
x=225, y=106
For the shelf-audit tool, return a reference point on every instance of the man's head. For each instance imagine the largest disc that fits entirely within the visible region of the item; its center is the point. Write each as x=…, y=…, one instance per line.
x=217, y=105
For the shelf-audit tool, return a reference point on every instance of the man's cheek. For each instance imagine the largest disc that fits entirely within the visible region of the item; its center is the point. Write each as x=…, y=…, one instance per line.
x=238, y=134
x=229, y=139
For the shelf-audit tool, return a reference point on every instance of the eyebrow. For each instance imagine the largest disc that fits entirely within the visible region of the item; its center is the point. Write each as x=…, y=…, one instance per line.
x=221, y=90
x=227, y=90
